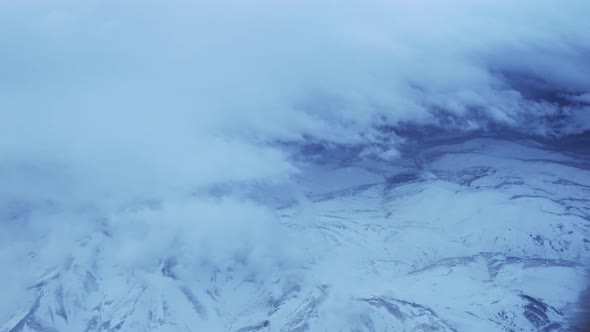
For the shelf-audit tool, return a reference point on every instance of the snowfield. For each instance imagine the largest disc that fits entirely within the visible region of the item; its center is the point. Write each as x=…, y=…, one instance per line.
x=462, y=234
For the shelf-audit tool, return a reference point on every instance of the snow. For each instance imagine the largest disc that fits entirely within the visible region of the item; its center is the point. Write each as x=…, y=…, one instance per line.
x=481, y=236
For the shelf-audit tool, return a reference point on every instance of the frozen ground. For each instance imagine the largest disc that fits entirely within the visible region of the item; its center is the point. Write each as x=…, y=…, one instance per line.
x=458, y=235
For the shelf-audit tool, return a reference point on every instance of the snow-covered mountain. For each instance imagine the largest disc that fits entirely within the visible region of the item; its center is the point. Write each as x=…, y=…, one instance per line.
x=294, y=165
x=461, y=234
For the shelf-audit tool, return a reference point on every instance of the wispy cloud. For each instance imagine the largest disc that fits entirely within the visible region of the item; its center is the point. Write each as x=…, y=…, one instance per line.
x=110, y=104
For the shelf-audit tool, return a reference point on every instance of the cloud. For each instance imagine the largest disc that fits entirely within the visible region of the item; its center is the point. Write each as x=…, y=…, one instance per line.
x=107, y=105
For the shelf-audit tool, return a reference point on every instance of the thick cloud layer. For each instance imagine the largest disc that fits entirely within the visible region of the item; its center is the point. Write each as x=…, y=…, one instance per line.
x=130, y=115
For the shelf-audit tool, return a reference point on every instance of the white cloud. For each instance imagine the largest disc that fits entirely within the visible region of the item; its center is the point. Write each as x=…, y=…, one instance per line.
x=107, y=104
